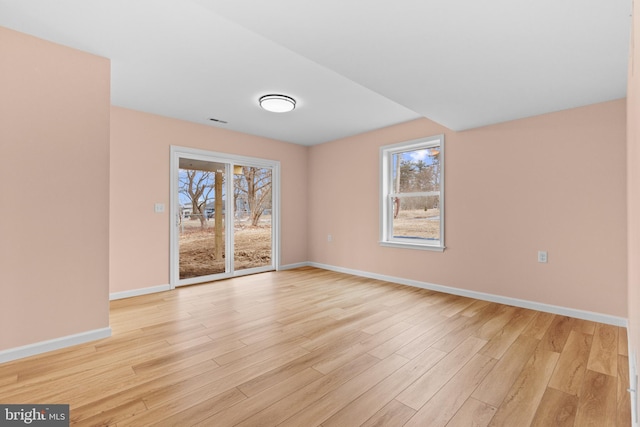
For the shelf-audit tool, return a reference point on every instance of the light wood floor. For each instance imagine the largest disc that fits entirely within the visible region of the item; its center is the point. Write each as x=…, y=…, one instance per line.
x=310, y=347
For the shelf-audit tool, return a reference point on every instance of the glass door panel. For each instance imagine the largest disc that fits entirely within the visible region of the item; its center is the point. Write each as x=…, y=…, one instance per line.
x=253, y=225
x=201, y=227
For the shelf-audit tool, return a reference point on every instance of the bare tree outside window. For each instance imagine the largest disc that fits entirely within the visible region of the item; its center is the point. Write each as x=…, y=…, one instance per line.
x=197, y=186
x=253, y=188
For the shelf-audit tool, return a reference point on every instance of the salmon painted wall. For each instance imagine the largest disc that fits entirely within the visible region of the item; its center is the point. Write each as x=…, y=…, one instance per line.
x=140, y=157
x=54, y=190
x=555, y=182
x=633, y=185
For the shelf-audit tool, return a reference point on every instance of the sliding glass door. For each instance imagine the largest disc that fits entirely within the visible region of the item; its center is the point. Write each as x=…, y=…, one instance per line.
x=225, y=215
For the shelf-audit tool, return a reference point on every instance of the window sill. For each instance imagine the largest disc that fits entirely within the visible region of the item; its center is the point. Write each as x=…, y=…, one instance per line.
x=404, y=245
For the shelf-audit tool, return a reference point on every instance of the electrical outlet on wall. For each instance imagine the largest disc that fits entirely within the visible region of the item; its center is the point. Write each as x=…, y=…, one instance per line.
x=329, y=238
x=542, y=256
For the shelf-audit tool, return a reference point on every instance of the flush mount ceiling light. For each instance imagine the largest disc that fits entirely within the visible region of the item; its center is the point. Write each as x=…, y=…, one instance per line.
x=277, y=103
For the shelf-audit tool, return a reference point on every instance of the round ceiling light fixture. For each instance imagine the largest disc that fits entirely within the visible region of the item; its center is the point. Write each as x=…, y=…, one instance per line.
x=277, y=103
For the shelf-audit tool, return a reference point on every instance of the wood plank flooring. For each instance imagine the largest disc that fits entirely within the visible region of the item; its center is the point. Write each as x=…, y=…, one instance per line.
x=310, y=347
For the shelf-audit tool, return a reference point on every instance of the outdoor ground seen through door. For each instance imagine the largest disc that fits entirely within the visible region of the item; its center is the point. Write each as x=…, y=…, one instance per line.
x=203, y=216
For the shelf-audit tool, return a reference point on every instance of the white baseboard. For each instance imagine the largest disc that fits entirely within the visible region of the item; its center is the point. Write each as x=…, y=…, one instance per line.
x=554, y=309
x=292, y=266
x=138, y=292
x=54, y=344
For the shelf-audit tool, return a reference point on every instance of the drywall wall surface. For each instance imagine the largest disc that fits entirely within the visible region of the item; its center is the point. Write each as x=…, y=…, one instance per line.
x=555, y=182
x=54, y=190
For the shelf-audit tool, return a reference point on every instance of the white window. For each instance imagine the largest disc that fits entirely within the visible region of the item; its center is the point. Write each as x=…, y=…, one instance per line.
x=412, y=194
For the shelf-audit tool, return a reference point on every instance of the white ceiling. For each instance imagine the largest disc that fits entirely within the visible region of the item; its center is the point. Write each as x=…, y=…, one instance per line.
x=352, y=65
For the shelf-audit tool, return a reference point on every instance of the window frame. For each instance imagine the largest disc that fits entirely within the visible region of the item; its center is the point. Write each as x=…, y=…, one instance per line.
x=387, y=193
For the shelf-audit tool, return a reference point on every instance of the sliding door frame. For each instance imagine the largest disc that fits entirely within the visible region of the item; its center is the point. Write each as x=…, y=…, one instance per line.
x=230, y=160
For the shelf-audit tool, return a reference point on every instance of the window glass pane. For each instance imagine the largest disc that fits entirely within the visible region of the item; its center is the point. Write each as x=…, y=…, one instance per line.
x=417, y=218
x=416, y=170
